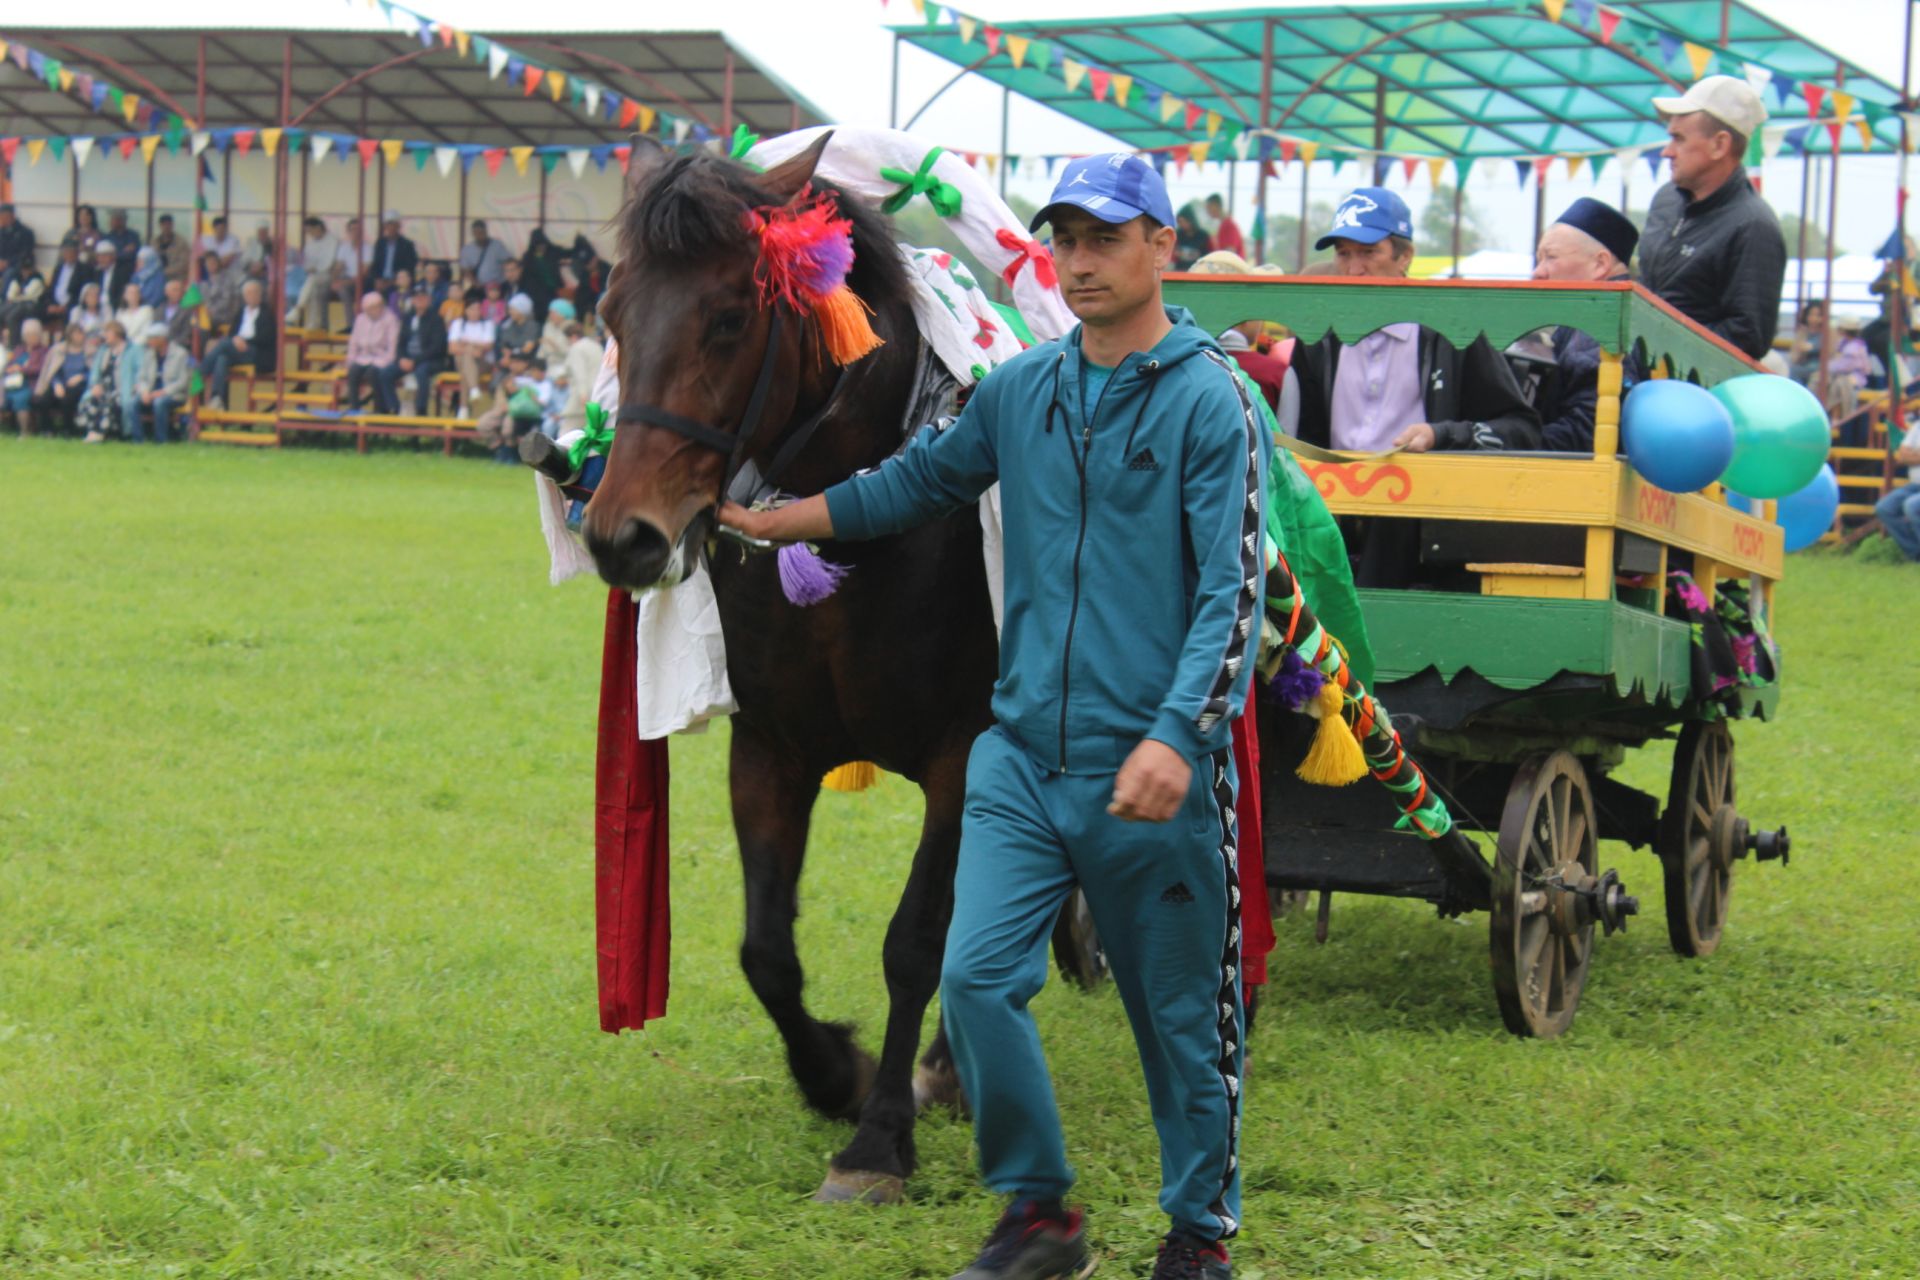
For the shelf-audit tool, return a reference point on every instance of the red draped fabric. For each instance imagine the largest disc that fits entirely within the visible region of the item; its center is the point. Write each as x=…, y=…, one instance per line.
x=1256, y=914
x=633, y=931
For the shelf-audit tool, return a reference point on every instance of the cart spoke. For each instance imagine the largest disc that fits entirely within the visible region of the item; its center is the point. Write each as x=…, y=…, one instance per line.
x=1698, y=813
x=1534, y=934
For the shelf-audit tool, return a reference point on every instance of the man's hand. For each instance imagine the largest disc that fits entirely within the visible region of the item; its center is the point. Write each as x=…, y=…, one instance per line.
x=406, y=365
x=801, y=521
x=1152, y=784
x=1907, y=457
x=1417, y=438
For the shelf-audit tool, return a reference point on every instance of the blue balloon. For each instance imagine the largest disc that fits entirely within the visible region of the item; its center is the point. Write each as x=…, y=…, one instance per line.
x=1805, y=514
x=1675, y=434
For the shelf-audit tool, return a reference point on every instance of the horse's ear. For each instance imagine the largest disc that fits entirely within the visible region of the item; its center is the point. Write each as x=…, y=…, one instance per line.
x=788, y=178
x=646, y=156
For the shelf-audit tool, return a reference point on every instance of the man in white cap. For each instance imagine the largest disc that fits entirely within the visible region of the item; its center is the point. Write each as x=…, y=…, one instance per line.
x=1711, y=246
x=392, y=252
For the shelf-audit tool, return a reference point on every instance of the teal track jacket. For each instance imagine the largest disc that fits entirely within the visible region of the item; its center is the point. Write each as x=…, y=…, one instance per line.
x=1134, y=551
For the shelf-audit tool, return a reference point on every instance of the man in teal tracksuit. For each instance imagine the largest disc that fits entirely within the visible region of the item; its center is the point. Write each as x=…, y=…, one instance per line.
x=1132, y=469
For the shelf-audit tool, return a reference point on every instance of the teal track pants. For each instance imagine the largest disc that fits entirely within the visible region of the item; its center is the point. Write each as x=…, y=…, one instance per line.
x=1166, y=899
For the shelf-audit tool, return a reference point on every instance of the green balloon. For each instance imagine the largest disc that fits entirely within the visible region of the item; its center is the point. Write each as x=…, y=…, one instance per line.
x=1780, y=435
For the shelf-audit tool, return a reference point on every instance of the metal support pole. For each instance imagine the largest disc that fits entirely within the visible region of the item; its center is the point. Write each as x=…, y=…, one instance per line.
x=893, y=92
x=1006, y=112
x=277, y=277
x=1300, y=254
x=199, y=192
x=1456, y=228
x=543, y=192
x=460, y=231
x=226, y=187
x=1262, y=142
x=1833, y=211
x=1807, y=163
x=148, y=234
x=726, y=95
x=1539, y=206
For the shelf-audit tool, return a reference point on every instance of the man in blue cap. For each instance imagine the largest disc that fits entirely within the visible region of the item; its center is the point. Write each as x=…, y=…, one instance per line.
x=1132, y=464
x=1591, y=242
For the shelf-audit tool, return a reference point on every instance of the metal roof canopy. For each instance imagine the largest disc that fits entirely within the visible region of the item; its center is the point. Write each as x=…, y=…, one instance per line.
x=384, y=83
x=1469, y=78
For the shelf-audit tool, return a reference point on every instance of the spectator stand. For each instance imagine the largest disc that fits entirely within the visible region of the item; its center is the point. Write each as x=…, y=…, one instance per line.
x=269, y=126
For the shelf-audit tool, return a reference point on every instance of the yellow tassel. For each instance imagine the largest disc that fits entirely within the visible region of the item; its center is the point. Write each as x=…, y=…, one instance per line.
x=1335, y=759
x=857, y=776
x=842, y=317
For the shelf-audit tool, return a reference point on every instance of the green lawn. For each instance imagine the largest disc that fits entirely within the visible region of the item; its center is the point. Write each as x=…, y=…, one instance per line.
x=297, y=977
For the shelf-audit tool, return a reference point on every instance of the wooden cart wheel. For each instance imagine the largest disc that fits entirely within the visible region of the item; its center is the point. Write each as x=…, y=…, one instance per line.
x=1698, y=845
x=1076, y=944
x=1540, y=947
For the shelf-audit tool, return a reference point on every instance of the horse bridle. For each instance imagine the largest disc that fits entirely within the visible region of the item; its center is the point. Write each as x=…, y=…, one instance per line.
x=791, y=441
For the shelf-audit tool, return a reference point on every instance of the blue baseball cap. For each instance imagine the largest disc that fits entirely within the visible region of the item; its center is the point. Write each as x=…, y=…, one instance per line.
x=1368, y=215
x=1117, y=187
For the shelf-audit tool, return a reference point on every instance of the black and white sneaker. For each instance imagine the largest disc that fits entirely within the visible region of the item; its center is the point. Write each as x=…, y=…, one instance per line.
x=1033, y=1244
x=1185, y=1257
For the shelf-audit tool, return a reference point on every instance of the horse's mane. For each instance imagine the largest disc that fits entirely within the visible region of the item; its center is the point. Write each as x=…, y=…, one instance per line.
x=693, y=207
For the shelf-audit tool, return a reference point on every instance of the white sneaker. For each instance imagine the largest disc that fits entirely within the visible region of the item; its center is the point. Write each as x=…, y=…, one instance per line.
x=214, y=404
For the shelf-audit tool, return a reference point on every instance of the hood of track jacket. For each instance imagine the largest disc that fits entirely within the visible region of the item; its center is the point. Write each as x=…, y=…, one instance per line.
x=1094, y=652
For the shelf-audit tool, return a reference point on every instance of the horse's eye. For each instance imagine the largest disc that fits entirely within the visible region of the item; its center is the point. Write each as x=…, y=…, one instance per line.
x=727, y=324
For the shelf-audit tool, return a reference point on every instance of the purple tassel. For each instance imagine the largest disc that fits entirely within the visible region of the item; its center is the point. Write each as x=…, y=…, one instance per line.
x=1297, y=683
x=806, y=579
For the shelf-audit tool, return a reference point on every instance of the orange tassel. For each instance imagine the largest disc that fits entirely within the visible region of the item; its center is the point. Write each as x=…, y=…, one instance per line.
x=844, y=330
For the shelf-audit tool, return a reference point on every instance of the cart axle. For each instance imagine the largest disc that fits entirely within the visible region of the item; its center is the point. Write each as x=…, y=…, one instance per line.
x=1578, y=902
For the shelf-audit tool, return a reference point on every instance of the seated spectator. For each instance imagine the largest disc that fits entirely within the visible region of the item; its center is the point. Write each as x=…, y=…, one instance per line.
x=1590, y=241
x=493, y=304
x=22, y=372
x=149, y=276
x=422, y=346
x=16, y=245
x=256, y=260
x=553, y=334
x=101, y=408
x=1809, y=339
x=539, y=272
x=393, y=254
x=470, y=342
x=585, y=355
x=484, y=256
x=62, y=384
x=1191, y=241
x=22, y=299
x=134, y=314
x=372, y=352
x=253, y=341
x=173, y=249
x=520, y=335
x=1851, y=359
x=589, y=273
x=522, y=406
x=318, y=254
x=1226, y=232
x=1269, y=373
x=219, y=249
x=110, y=271
x=70, y=274
x=434, y=276
x=1899, y=511
x=1403, y=386
x=179, y=320
x=160, y=387
x=86, y=231
x=397, y=292
x=89, y=314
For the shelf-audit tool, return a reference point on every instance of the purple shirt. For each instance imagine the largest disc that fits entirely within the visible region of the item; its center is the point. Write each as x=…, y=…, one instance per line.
x=1376, y=390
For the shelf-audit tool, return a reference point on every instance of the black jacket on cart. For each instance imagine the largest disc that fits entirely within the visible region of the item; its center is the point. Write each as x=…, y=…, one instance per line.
x=1720, y=261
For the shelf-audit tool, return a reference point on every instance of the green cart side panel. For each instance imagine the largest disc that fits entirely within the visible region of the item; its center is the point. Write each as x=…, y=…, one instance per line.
x=1518, y=643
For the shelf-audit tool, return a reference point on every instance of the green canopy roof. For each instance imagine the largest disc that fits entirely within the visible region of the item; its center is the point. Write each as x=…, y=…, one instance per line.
x=1463, y=79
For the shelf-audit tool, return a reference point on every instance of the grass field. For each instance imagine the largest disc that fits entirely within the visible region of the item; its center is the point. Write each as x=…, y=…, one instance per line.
x=297, y=979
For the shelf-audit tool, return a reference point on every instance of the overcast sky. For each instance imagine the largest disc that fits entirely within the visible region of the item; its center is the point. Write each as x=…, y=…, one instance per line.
x=837, y=53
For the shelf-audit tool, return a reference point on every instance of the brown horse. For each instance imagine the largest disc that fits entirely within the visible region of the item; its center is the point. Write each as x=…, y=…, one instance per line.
x=897, y=667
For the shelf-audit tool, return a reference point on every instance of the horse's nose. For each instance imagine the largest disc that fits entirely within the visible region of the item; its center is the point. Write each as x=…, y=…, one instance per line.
x=634, y=557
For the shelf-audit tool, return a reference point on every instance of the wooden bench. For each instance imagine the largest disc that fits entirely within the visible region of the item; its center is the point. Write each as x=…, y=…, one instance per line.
x=361, y=425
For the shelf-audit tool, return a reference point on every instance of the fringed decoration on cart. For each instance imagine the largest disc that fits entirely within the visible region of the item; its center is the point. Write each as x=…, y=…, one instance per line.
x=806, y=252
x=857, y=776
x=1356, y=735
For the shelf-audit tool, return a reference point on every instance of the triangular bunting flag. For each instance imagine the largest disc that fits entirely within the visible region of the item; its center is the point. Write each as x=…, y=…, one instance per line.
x=1771, y=136
x=1842, y=102
x=82, y=148
x=392, y=148
x=493, y=156
x=1758, y=78
x=1600, y=163
x=967, y=27
x=520, y=157
x=270, y=140
x=462, y=41
x=1213, y=123
x=1194, y=113
x=1436, y=170
x=1241, y=145
x=1016, y=48
x=992, y=37
x=1815, y=96
x=1168, y=106
x=993, y=163
x=530, y=80
x=149, y=145
x=1553, y=8
x=1653, y=158
x=1833, y=131
x=1866, y=132
x=646, y=116
x=58, y=146
x=1101, y=81
x=681, y=128
x=1462, y=168
x=1783, y=87
x=1308, y=150
x=367, y=147
x=1699, y=57
x=421, y=153
x=1073, y=73
x=66, y=80
x=126, y=146
x=556, y=84
x=34, y=147
x=1288, y=146
x=443, y=158
x=1122, y=87
x=590, y=98
x=1199, y=151
x=496, y=61
x=1609, y=23
x=577, y=161
x=1669, y=45
x=321, y=144
x=629, y=112
x=548, y=159
x=1574, y=165
x=1522, y=168
x=1407, y=166
x=200, y=140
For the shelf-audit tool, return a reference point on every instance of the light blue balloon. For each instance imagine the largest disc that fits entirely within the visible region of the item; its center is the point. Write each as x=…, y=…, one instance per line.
x=1675, y=434
x=1806, y=514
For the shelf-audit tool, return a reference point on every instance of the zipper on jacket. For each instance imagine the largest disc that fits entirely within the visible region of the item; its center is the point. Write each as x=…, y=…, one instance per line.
x=1073, y=610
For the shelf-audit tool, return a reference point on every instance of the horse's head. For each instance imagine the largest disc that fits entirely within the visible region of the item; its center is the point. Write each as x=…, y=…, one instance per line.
x=697, y=337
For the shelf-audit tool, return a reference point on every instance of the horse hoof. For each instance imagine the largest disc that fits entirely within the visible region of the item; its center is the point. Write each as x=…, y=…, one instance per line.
x=938, y=1087
x=854, y=1186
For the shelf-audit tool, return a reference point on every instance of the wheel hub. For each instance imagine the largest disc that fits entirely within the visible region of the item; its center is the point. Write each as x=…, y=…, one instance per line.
x=1726, y=837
